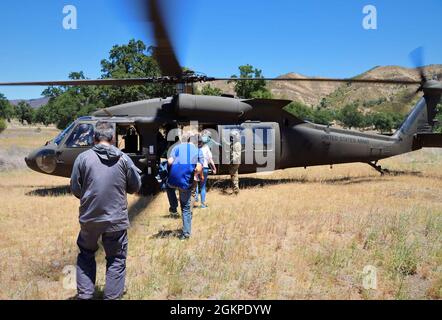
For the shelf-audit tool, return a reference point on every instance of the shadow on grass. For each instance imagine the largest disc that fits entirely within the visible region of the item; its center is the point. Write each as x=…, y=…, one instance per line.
x=245, y=183
x=139, y=206
x=351, y=180
x=406, y=173
x=248, y=182
x=173, y=217
x=50, y=192
x=164, y=234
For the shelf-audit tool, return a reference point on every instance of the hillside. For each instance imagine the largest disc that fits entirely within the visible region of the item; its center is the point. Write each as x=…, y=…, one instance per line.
x=382, y=97
x=309, y=93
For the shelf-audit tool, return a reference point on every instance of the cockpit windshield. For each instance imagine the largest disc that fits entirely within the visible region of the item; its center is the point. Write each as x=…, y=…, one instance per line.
x=81, y=136
x=58, y=139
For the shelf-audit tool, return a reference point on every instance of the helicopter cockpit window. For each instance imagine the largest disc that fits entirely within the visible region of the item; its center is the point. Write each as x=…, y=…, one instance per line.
x=82, y=136
x=58, y=139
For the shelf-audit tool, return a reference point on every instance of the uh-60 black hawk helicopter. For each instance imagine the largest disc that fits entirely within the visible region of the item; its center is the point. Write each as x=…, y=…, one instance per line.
x=290, y=141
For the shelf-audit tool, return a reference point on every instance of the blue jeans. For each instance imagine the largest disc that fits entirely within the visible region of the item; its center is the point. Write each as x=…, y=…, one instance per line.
x=186, y=207
x=201, y=187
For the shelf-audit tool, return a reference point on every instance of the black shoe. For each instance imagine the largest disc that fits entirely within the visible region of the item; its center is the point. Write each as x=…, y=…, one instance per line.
x=183, y=237
x=174, y=214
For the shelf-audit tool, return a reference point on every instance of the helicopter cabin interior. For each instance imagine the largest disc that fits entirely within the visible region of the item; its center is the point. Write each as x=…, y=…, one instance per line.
x=128, y=139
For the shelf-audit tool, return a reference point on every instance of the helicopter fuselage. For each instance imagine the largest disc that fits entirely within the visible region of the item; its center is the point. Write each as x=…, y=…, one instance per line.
x=271, y=138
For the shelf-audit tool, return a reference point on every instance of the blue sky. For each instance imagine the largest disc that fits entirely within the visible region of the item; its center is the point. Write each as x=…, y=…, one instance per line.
x=314, y=37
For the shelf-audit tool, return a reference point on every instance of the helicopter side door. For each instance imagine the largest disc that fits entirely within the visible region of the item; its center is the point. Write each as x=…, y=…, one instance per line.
x=260, y=146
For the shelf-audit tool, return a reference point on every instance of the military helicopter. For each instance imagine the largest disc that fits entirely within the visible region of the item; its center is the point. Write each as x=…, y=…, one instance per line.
x=267, y=131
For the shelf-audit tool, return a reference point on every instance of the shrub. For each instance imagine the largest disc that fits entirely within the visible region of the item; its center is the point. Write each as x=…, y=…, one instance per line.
x=351, y=117
x=382, y=122
x=3, y=125
x=323, y=116
x=438, y=127
x=208, y=90
x=300, y=110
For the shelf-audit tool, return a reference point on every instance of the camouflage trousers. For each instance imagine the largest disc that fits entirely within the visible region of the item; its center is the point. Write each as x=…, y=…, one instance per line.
x=234, y=177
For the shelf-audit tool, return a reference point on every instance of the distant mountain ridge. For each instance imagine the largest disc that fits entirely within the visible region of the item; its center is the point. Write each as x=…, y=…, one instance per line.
x=34, y=103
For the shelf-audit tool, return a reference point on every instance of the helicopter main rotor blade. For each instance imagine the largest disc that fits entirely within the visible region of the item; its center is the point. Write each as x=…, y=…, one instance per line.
x=88, y=82
x=193, y=79
x=164, y=52
x=347, y=80
x=417, y=57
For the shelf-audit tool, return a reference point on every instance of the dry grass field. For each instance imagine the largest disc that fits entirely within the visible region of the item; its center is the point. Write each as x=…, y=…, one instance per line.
x=294, y=234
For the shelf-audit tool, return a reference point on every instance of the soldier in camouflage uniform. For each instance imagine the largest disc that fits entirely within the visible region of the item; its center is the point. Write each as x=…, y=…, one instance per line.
x=235, y=159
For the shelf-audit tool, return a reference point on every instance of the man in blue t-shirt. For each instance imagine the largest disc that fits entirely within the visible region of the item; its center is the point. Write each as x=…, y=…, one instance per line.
x=185, y=160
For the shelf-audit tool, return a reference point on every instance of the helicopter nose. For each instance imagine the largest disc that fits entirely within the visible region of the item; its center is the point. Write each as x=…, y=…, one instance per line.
x=30, y=161
x=42, y=160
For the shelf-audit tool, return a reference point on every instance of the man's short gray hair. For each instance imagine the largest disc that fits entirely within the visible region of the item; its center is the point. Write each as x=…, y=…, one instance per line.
x=104, y=131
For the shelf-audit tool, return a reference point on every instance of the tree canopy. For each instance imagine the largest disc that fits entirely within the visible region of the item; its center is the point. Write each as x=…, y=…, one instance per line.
x=208, y=90
x=351, y=117
x=67, y=103
x=133, y=60
x=251, y=88
x=24, y=112
x=6, y=109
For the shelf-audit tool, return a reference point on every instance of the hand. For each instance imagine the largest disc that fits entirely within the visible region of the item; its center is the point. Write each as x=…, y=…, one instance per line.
x=214, y=170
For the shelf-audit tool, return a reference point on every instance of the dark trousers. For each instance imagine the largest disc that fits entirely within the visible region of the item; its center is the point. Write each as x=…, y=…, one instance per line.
x=115, y=247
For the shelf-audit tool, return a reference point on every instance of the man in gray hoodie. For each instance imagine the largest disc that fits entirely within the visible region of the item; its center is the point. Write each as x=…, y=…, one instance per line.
x=101, y=177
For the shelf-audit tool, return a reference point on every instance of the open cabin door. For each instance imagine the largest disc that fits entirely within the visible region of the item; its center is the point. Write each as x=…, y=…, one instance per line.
x=130, y=141
x=260, y=146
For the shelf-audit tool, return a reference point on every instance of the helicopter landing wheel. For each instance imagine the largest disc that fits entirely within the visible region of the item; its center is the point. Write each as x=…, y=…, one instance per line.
x=378, y=168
